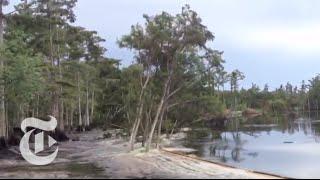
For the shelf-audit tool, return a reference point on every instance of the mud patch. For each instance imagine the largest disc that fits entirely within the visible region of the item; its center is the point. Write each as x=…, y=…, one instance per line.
x=69, y=170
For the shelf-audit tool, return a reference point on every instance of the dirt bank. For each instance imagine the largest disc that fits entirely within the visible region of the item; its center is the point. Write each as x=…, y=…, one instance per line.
x=92, y=158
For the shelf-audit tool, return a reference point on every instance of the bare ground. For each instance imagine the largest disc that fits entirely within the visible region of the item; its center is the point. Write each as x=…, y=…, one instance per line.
x=92, y=158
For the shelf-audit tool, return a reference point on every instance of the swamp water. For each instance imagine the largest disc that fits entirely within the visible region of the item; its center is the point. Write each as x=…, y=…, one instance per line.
x=289, y=148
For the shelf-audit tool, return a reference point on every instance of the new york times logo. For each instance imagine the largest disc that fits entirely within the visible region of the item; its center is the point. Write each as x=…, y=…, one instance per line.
x=25, y=150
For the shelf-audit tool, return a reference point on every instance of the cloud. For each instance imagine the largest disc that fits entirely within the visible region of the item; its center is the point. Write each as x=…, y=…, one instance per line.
x=296, y=40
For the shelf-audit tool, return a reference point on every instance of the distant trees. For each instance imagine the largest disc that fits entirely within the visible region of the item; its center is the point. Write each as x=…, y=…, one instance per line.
x=235, y=77
x=285, y=99
x=313, y=96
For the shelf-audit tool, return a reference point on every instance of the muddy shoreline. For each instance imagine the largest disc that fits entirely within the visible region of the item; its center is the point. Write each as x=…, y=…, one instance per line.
x=95, y=157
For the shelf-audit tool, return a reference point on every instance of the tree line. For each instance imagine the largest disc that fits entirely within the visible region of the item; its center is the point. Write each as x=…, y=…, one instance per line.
x=49, y=66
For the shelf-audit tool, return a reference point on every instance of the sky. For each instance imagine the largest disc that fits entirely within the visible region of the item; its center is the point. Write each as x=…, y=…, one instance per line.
x=273, y=42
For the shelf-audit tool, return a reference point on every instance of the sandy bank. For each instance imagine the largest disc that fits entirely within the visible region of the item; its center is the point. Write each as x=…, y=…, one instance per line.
x=92, y=158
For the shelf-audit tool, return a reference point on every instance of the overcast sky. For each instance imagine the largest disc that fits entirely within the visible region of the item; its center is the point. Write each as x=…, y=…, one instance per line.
x=271, y=41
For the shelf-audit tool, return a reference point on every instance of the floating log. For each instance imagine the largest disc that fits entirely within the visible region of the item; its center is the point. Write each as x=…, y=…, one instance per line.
x=184, y=151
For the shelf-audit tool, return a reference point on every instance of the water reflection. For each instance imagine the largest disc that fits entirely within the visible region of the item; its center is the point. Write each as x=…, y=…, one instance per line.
x=275, y=145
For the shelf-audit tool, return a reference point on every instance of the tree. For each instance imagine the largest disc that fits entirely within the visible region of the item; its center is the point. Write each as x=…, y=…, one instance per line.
x=142, y=43
x=222, y=79
x=313, y=94
x=3, y=122
x=168, y=47
x=215, y=69
x=47, y=24
x=235, y=77
x=22, y=76
x=289, y=88
x=266, y=88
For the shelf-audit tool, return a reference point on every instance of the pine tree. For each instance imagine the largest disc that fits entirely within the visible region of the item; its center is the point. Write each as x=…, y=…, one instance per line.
x=3, y=121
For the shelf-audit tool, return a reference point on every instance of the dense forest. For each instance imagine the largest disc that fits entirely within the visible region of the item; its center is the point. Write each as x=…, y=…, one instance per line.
x=49, y=66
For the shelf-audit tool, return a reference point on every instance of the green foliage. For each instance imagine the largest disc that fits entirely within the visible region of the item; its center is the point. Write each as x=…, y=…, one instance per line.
x=211, y=105
x=23, y=78
x=313, y=94
x=279, y=105
x=54, y=67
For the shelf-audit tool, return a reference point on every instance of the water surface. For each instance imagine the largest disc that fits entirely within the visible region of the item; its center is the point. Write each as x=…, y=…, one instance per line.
x=289, y=148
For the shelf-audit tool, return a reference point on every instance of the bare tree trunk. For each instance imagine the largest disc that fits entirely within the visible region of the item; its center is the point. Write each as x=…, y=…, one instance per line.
x=22, y=113
x=18, y=114
x=55, y=100
x=136, y=127
x=317, y=108
x=61, y=109
x=173, y=128
x=67, y=118
x=7, y=121
x=87, y=107
x=55, y=106
x=223, y=98
x=92, y=108
x=37, y=106
x=71, y=118
x=79, y=103
x=161, y=106
x=3, y=124
x=158, y=113
x=147, y=125
x=154, y=124
x=160, y=128
x=61, y=117
x=164, y=110
x=309, y=108
x=137, y=122
x=303, y=108
x=165, y=97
